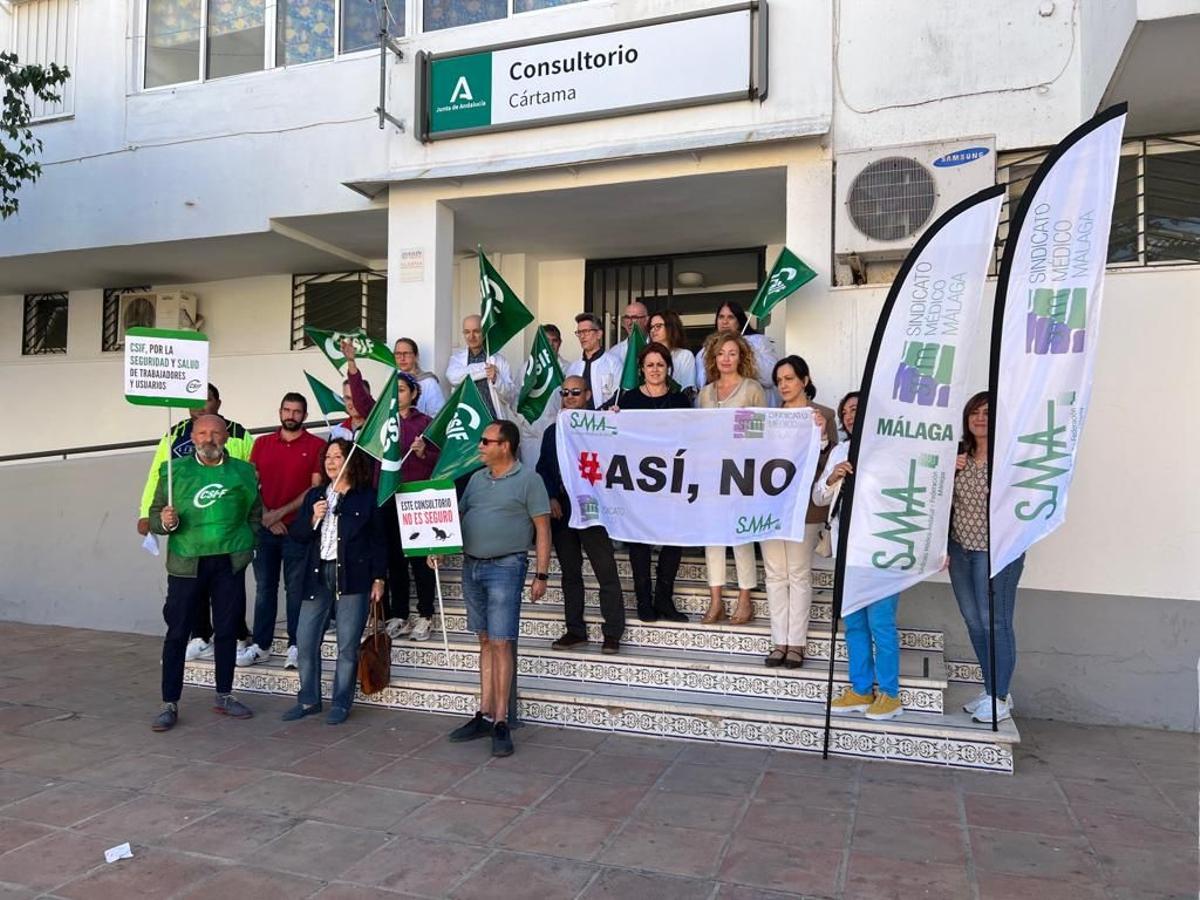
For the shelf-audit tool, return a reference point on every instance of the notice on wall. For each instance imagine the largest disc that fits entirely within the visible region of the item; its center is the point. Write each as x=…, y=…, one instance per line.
x=166, y=368
x=428, y=515
x=412, y=264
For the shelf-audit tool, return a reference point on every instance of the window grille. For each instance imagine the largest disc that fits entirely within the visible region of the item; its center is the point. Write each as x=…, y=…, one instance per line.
x=111, y=335
x=45, y=324
x=1156, y=212
x=339, y=301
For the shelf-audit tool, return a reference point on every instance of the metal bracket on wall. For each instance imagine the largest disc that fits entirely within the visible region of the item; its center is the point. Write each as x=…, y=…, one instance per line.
x=386, y=43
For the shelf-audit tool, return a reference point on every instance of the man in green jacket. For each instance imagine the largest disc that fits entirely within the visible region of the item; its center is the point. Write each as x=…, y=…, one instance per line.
x=211, y=526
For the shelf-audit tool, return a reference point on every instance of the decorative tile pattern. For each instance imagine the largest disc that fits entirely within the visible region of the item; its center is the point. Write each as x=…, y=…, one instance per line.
x=964, y=671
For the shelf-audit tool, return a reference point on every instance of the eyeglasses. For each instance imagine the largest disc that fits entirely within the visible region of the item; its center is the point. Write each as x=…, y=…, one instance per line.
x=582, y=331
x=571, y=392
x=483, y=442
x=656, y=326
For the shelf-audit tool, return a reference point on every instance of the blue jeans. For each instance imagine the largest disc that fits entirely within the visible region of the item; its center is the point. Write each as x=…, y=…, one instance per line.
x=351, y=618
x=873, y=645
x=492, y=592
x=969, y=578
x=272, y=550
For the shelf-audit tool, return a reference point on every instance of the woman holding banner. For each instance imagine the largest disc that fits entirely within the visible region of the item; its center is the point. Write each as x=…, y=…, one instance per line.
x=347, y=559
x=787, y=565
x=969, y=564
x=732, y=378
x=667, y=328
x=655, y=601
x=419, y=459
x=872, y=641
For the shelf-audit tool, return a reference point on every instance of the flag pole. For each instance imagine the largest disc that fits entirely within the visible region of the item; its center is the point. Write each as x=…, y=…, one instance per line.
x=437, y=580
x=170, y=453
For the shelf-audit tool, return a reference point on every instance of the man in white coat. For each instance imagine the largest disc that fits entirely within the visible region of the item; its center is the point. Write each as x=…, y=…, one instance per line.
x=635, y=314
x=491, y=374
x=596, y=367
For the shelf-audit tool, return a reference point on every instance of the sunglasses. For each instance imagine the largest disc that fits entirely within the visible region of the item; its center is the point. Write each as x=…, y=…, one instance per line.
x=571, y=392
x=483, y=442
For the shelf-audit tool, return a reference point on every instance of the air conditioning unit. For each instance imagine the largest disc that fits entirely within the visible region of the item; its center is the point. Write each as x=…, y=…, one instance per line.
x=887, y=197
x=148, y=309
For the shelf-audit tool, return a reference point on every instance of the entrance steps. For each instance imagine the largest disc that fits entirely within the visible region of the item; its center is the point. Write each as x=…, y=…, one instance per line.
x=680, y=680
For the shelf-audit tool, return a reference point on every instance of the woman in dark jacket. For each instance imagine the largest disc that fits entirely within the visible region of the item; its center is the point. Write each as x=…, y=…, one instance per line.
x=347, y=560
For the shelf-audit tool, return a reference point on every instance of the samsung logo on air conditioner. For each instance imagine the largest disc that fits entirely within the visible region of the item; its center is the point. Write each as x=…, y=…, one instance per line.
x=959, y=157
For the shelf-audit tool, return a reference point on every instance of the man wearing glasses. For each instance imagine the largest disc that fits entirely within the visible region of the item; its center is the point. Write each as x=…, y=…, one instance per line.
x=595, y=368
x=635, y=314
x=571, y=543
x=503, y=510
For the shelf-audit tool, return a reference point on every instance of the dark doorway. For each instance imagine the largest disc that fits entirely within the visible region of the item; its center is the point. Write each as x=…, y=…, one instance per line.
x=693, y=284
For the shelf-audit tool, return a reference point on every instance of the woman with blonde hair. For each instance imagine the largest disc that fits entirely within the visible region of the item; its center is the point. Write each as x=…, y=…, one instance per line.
x=732, y=383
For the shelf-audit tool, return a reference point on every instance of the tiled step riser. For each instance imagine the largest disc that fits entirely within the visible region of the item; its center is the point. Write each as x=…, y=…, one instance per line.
x=627, y=673
x=845, y=739
x=696, y=604
x=962, y=671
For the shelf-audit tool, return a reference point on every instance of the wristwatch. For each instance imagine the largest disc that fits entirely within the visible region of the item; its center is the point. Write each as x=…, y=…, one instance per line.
x=542, y=576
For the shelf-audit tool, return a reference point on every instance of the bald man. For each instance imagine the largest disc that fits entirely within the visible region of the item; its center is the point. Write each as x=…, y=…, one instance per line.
x=635, y=314
x=490, y=373
x=211, y=528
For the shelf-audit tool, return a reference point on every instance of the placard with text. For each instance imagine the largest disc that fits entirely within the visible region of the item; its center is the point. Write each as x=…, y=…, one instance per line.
x=166, y=368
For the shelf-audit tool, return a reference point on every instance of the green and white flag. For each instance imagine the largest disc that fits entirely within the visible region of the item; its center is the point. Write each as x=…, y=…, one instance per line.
x=380, y=438
x=365, y=347
x=788, y=275
x=503, y=314
x=457, y=430
x=326, y=398
x=631, y=375
x=543, y=376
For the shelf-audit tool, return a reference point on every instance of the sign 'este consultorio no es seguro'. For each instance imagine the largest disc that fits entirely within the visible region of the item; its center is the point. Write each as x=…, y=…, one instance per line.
x=686, y=60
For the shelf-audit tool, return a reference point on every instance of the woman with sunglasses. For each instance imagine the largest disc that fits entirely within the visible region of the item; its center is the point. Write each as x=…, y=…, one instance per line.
x=667, y=328
x=654, y=600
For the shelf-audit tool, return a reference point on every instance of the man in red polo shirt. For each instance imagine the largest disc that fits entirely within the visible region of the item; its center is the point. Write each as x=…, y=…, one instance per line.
x=288, y=464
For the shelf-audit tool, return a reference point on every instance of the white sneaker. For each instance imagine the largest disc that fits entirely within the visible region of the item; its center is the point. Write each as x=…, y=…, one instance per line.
x=983, y=712
x=252, y=654
x=207, y=652
x=293, y=661
x=969, y=706
x=398, y=628
x=420, y=631
x=196, y=648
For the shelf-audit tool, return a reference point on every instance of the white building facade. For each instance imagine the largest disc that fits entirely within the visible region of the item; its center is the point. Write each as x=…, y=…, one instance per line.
x=229, y=156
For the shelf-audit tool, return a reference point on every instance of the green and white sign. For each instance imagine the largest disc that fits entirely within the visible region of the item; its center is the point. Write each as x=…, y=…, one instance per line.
x=166, y=368
x=428, y=516
x=685, y=61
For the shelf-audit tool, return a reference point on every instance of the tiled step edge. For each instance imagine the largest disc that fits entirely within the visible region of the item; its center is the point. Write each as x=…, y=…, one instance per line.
x=895, y=741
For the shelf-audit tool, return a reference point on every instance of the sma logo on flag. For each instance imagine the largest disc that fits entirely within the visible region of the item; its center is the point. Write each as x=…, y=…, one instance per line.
x=907, y=519
x=924, y=374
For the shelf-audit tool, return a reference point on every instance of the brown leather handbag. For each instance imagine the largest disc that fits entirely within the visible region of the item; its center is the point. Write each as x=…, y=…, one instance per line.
x=374, y=655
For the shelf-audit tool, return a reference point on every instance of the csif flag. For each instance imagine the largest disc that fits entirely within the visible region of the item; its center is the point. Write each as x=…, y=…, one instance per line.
x=380, y=437
x=543, y=376
x=895, y=514
x=1044, y=333
x=365, y=347
x=457, y=430
x=631, y=375
x=503, y=315
x=788, y=275
x=329, y=401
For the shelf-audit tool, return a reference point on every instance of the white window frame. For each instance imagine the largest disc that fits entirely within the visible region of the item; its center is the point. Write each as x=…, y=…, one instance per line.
x=71, y=55
x=418, y=16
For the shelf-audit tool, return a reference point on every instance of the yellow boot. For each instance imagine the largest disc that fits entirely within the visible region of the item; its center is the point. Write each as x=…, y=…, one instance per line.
x=850, y=702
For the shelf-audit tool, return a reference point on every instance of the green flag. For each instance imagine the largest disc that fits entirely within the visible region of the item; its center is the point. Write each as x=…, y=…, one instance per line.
x=329, y=401
x=787, y=276
x=457, y=430
x=503, y=314
x=543, y=376
x=631, y=375
x=380, y=438
x=366, y=347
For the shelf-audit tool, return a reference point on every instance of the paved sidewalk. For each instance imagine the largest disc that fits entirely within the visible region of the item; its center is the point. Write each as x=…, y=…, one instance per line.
x=384, y=806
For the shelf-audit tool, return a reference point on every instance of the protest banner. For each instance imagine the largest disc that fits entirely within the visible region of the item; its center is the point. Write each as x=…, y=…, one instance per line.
x=365, y=346
x=501, y=312
x=168, y=368
x=689, y=477
x=429, y=526
x=327, y=399
x=788, y=275
x=543, y=377
x=379, y=438
x=1045, y=331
